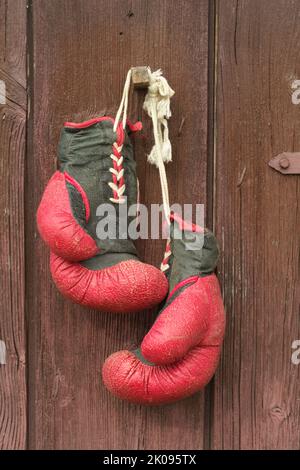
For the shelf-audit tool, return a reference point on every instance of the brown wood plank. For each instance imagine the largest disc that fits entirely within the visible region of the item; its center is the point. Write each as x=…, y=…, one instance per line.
x=82, y=51
x=256, y=401
x=12, y=265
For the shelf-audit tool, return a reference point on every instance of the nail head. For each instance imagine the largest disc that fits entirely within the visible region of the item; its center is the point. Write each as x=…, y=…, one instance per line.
x=284, y=163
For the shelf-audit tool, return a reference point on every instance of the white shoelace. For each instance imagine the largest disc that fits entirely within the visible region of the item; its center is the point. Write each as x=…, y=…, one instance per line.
x=157, y=106
x=124, y=103
x=117, y=170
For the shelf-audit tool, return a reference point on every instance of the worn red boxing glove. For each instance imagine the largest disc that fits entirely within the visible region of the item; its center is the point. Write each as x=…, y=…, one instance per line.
x=180, y=353
x=96, y=167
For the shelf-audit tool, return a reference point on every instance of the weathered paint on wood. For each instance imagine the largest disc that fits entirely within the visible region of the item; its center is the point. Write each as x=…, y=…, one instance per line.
x=223, y=138
x=82, y=51
x=12, y=264
x=256, y=396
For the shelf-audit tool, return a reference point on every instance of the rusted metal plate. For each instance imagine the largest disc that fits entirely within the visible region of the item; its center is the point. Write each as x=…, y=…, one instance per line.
x=287, y=163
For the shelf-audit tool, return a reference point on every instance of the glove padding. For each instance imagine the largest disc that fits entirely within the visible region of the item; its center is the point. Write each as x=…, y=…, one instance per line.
x=179, y=355
x=96, y=167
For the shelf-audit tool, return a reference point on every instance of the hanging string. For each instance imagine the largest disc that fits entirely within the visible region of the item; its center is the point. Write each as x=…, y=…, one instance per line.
x=157, y=106
x=124, y=103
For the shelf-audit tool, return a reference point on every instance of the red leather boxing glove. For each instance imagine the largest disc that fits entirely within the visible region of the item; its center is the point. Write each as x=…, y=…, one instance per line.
x=180, y=353
x=96, y=167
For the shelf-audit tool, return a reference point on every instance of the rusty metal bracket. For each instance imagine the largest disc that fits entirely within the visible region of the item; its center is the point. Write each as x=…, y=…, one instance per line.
x=287, y=163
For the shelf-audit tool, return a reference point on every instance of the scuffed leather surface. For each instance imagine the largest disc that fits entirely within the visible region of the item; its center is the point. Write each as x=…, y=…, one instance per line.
x=57, y=225
x=79, y=259
x=184, y=344
x=84, y=154
x=188, y=259
x=125, y=287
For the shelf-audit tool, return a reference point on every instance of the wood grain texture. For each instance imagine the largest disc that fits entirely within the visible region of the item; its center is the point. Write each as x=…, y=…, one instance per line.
x=12, y=264
x=82, y=50
x=256, y=399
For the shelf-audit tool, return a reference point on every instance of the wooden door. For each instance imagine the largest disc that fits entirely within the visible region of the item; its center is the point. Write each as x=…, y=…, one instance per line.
x=232, y=64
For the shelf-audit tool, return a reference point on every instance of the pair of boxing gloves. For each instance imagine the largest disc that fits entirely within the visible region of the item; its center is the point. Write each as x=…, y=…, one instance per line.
x=180, y=353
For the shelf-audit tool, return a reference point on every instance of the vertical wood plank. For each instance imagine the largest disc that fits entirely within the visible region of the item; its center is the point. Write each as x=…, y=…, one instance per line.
x=82, y=51
x=12, y=265
x=256, y=400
